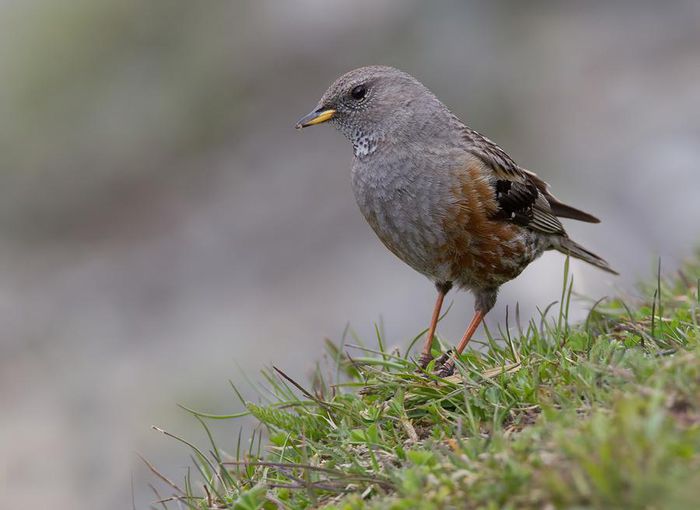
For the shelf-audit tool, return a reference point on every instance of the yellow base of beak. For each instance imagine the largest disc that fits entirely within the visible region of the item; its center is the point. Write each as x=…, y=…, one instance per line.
x=315, y=117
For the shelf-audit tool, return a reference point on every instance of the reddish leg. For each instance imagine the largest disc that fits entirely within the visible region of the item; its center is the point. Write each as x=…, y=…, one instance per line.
x=426, y=355
x=449, y=366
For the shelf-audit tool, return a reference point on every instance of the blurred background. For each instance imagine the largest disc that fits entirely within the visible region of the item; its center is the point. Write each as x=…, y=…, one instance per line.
x=163, y=228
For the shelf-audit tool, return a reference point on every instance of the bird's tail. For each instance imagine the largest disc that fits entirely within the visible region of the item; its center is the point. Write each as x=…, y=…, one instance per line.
x=572, y=248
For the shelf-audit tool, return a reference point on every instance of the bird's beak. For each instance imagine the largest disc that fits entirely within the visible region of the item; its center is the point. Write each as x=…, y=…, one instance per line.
x=317, y=116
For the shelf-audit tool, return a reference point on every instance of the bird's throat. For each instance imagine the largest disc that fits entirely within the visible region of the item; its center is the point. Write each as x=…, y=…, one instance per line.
x=363, y=145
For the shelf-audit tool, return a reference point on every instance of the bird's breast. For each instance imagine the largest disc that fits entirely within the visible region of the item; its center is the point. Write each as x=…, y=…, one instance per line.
x=403, y=201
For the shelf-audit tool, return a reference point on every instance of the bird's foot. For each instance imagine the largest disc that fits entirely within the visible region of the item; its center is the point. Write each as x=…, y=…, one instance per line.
x=446, y=370
x=445, y=365
x=442, y=359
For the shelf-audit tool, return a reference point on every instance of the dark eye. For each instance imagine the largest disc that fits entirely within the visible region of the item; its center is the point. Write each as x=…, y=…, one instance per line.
x=358, y=92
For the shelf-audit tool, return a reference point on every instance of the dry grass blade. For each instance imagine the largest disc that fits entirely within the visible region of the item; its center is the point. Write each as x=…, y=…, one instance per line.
x=160, y=475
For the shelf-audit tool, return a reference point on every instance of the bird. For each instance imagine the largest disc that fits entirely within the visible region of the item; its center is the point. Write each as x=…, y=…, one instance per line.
x=442, y=197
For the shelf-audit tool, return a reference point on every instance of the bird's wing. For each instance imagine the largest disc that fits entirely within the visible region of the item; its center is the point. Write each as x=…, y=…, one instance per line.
x=523, y=198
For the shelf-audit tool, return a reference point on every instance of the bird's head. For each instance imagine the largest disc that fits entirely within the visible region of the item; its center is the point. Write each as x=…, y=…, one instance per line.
x=370, y=103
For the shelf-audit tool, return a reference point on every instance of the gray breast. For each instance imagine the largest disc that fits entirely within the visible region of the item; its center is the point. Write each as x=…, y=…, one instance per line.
x=405, y=197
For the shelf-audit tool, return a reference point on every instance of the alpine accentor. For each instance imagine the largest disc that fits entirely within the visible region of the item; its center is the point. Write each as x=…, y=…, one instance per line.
x=443, y=198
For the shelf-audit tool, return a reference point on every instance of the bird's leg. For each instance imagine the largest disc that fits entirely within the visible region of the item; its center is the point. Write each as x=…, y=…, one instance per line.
x=449, y=366
x=426, y=355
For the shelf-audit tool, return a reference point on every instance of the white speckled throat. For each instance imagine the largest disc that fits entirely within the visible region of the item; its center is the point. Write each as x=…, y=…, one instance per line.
x=364, y=144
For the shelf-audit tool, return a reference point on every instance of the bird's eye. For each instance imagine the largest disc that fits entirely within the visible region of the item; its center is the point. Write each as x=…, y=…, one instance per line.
x=358, y=92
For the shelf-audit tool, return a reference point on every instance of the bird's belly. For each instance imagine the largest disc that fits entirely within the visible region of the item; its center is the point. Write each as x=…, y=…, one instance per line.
x=488, y=260
x=412, y=241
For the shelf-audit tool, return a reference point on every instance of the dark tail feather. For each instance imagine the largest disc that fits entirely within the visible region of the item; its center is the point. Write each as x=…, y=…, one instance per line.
x=569, y=247
x=566, y=211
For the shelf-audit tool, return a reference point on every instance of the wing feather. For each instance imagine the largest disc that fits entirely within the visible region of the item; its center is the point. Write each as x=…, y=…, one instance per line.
x=523, y=197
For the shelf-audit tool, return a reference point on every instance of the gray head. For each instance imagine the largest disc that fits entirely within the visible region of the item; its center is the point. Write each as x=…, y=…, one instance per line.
x=372, y=103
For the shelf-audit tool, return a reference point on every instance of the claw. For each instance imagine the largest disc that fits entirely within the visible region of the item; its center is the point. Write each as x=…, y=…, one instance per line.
x=446, y=370
x=423, y=361
x=445, y=364
x=444, y=357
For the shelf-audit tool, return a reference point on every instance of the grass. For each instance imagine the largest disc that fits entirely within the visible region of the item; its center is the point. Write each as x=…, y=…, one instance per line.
x=603, y=414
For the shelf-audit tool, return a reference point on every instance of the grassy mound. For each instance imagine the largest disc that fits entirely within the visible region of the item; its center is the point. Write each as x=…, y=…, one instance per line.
x=604, y=414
